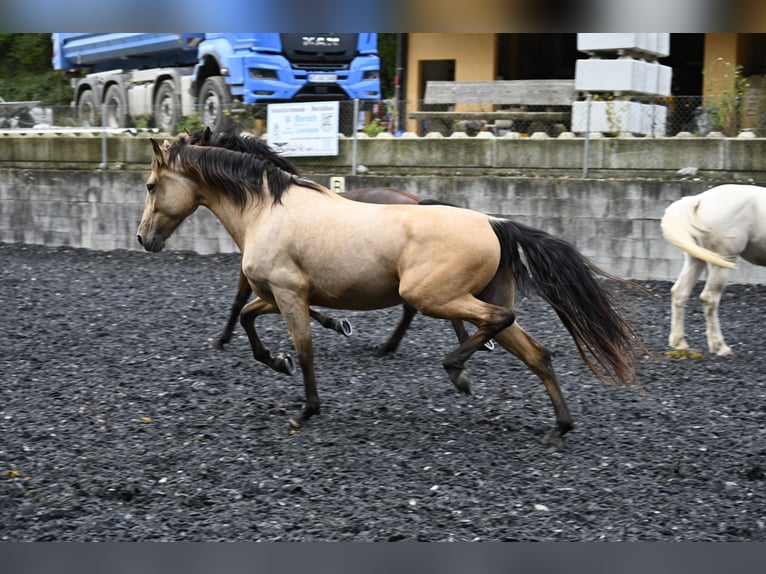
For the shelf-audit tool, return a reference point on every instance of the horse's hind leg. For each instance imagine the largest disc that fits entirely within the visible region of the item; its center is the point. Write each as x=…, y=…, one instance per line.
x=490, y=321
x=516, y=340
x=408, y=314
x=462, y=335
x=679, y=295
x=717, y=277
x=280, y=362
x=240, y=299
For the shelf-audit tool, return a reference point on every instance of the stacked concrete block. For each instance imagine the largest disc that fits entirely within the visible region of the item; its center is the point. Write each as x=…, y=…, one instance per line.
x=621, y=69
x=657, y=45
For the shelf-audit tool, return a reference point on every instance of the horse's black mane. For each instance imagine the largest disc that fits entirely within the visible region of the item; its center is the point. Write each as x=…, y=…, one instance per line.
x=230, y=139
x=237, y=166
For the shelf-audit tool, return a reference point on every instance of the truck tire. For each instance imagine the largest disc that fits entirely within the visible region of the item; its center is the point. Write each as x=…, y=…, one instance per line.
x=88, y=111
x=214, y=100
x=116, y=108
x=166, y=107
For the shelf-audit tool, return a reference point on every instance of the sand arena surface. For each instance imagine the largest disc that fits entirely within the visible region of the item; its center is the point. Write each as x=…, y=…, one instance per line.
x=119, y=422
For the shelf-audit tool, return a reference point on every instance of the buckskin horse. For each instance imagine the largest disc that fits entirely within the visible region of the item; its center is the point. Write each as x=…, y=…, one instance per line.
x=304, y=245
x=386, y=195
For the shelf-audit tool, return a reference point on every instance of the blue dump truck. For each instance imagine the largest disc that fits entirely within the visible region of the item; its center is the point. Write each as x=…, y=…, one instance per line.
x=165, y=77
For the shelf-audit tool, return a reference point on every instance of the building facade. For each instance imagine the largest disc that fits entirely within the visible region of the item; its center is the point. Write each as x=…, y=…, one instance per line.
x=704, y=64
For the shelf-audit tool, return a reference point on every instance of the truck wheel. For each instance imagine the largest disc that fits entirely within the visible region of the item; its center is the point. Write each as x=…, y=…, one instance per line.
x=88, y=113
x=214, y=101
x=166, y=107
x=116, y=109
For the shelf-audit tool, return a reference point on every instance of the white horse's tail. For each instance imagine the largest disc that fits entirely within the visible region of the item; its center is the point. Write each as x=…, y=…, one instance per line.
x=677, y=224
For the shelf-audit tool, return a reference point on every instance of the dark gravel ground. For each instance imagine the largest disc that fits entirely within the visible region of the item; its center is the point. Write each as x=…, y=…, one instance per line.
x=119, y=422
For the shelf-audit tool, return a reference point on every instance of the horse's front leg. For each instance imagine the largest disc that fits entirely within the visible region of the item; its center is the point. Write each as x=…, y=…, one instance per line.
x=295, y=312
x=240, y=299
x=408, y=313
x=280, y=362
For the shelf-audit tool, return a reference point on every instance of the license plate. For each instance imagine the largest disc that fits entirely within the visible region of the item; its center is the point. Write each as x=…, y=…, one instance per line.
x=323, y=78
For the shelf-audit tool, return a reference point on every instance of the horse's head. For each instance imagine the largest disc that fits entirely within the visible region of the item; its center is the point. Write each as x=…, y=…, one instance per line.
x=171, y=197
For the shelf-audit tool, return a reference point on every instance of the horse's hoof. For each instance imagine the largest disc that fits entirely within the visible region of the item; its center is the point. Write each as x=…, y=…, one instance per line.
x=489, y=345
x=554, y=438
x=384, y=350
x=463, y=383
x=294, y=425
x=345, y=327
x=300, y=419
x=217, y=344
x=283, y=363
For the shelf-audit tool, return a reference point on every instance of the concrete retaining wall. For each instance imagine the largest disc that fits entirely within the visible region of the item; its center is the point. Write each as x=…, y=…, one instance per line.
x=718, y=158
x=615, y=222
x=91, y=209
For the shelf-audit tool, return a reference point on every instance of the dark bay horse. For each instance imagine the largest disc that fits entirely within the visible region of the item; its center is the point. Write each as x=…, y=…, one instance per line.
x=304, y=245
x=384, y=195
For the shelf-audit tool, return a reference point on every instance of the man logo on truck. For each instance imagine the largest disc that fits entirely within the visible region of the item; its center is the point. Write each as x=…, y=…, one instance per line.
x=321, y=41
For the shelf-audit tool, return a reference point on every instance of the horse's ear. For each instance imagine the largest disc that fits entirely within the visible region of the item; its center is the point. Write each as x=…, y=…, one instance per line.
x=206, y=136
x=157, y=151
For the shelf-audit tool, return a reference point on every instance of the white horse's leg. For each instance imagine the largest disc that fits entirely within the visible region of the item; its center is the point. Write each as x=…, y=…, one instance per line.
x=679, y=294
x=717, y=277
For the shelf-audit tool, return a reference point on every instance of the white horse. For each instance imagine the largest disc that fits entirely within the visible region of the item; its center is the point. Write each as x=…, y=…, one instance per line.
x=713, y=228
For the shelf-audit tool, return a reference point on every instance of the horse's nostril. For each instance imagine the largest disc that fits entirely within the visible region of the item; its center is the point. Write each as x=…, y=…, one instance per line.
x=140, y=241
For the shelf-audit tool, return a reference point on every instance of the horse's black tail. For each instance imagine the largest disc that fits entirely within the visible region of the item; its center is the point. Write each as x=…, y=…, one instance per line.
x=555, y=270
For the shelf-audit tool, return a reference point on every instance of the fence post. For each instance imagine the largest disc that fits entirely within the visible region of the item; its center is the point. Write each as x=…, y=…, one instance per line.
x=586, y=147
x=354, y=143
x=103, y=136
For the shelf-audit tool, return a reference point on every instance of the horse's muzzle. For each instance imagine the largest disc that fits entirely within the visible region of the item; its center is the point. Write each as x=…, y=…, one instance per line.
x=153, y=243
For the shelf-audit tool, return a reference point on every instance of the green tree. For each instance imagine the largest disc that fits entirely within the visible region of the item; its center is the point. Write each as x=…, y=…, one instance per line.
x=387, y=54
x=26, y=72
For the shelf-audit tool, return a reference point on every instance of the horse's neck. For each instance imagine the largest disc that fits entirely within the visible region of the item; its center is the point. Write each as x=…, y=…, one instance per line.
x=234, y=218
x=298, y=201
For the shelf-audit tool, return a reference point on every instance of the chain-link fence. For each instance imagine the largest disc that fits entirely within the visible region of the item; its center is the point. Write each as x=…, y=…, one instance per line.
x=371, y=117
x=649, y=117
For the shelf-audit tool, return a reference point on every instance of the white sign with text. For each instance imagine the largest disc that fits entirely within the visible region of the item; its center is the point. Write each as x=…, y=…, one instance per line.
x=303, y=129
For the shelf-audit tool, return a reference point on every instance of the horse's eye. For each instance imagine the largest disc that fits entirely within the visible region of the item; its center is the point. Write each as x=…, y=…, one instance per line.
x=150, y=187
